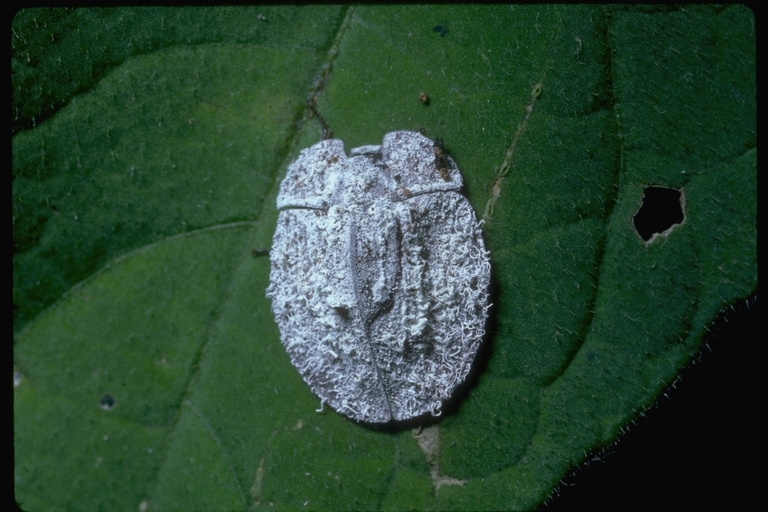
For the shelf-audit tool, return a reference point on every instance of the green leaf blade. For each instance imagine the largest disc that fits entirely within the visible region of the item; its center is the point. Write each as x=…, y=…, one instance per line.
x=140, y=196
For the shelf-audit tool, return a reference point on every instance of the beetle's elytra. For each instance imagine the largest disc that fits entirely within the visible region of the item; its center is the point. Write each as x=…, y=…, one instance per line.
x=379, y=280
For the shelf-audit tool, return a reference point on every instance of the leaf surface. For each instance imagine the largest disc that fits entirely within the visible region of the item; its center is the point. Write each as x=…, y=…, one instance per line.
x=148, y=147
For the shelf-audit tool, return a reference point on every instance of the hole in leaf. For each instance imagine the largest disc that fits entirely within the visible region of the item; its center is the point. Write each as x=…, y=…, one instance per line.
x=662, y=208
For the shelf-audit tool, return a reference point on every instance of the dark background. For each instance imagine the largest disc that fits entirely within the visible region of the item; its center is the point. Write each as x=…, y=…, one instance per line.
x=699, y=446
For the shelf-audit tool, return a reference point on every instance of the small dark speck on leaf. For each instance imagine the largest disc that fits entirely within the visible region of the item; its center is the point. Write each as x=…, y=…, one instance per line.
x=107, y=402
x=440, y=29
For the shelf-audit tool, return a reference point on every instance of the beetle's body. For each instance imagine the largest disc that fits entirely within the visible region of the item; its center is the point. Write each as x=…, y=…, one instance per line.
x=379, y=277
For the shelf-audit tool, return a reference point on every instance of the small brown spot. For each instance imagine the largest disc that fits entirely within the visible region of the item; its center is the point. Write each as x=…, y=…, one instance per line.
x=424, y=98
x=440, y=162
x=407, y=192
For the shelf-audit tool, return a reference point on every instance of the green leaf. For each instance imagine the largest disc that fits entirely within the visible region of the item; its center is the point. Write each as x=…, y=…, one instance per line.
x=148, y=147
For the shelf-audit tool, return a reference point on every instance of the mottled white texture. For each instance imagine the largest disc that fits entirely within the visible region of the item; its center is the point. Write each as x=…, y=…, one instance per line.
x=379, y=279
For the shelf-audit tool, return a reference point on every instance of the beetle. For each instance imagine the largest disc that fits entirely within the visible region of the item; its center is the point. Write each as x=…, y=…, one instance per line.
x=379, y=277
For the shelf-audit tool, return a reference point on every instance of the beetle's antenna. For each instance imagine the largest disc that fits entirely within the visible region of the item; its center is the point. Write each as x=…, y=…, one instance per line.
x=326, y=130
